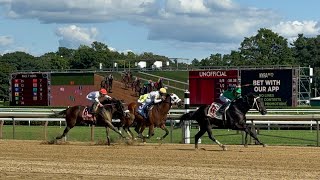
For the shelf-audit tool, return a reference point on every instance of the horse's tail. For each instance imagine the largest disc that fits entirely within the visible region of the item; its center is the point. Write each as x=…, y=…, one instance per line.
x=186, y=116
x=58, y=114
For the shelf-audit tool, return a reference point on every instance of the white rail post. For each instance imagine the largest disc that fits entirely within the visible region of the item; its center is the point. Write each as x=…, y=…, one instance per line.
x=186, y=124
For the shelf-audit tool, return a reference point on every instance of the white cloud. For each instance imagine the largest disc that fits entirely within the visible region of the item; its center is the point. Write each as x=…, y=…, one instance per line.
x=210, y=22
x=73, y=36
x=77, y=11
x=21, y=49
x=112, y=49
x=6, y=40
x=187, y=6
x=127, y=51
x=293, y=28
x=224, y=4
x=183, y=20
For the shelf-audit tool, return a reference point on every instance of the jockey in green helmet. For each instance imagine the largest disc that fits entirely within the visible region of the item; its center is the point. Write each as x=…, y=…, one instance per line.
x=232, y=93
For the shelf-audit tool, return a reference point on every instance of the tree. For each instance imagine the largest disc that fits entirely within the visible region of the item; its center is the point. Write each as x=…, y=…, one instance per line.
x=54, y=61
x=5, y=70
x=85, y=58
x=266, y=48
x=22, y=61
x=306, y=51
x=233, y=59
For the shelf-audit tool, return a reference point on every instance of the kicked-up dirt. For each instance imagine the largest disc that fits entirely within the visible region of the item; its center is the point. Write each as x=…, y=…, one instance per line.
x=74, y=160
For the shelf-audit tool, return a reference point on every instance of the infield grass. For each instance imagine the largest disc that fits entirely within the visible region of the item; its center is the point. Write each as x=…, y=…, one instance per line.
x=82, y=133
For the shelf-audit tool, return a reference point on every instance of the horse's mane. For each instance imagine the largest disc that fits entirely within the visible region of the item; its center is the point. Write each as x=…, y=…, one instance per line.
x=168, y=95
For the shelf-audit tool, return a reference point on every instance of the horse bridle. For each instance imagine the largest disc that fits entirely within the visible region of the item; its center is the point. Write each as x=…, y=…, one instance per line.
x=255, y=102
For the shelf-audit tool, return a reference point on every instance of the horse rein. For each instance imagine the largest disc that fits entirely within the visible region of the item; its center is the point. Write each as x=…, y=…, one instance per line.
x=255, y=102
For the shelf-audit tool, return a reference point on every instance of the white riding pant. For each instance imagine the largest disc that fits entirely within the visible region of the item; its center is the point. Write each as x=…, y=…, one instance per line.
x=224, y=99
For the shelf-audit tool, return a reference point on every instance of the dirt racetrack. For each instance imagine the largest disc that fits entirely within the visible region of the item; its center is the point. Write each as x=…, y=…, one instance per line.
x=35, y=160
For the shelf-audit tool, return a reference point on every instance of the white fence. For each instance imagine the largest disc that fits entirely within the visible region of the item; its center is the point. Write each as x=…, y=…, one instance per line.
x=288, y=116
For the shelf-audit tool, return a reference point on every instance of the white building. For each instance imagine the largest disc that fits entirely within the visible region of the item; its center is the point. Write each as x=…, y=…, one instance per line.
x=142, y=64
x=157, y=65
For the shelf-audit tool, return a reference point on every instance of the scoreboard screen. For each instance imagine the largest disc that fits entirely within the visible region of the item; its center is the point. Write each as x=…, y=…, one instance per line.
x=206, y=86
x=29, y=89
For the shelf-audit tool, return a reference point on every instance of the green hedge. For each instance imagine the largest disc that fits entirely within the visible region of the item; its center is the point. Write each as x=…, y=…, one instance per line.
x=72, y=79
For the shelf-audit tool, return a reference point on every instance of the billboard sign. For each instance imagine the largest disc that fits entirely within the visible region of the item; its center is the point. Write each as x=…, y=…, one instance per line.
x=274, y=86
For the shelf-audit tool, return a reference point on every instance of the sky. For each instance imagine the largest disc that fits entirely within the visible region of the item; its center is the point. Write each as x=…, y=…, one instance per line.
x=185, y=29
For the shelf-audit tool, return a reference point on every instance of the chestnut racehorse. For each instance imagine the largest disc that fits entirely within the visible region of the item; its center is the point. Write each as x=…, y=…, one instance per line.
x=157, y=116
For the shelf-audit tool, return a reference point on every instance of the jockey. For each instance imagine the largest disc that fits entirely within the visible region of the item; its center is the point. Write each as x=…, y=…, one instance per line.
x=94, y=98
x=110, y=76
x=151, y=98
x=142, y=99
x=232, y=93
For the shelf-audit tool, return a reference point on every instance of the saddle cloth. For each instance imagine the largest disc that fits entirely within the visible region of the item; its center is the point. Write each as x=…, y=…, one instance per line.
x=86, y=115
x=214, y=107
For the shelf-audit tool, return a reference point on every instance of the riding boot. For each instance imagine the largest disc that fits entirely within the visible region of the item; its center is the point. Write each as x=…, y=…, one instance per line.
x=222, y=108
x=146, y=113
x=94, y=108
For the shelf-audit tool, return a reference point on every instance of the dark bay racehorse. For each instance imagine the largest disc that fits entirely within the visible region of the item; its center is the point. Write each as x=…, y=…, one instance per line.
x=127, y=79
x=107, y=83
x=157, y=116
x=136, y=87
x=235, y=118
x=76, y=115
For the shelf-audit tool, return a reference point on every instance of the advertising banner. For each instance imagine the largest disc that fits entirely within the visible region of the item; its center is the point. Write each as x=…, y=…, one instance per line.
x=274, y=86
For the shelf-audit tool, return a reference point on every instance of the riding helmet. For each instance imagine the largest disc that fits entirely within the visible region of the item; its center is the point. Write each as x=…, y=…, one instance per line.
x=238, y=90
x=103, y=91
x=163, y=90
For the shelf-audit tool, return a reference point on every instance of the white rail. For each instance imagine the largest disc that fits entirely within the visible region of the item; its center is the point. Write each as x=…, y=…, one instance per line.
x=29, y=109
x=289, y=119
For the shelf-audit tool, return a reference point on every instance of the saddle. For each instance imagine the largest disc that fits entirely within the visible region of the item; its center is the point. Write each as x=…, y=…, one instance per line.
x=148, y=108
x=86, y=115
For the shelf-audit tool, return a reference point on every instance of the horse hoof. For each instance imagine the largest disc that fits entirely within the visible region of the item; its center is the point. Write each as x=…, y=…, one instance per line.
x=159, y=138
x=224, y=148
x=264, y=145
x=246, y=145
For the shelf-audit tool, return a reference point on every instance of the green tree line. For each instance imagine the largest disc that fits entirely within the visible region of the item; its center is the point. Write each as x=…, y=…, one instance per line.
x=263, y=49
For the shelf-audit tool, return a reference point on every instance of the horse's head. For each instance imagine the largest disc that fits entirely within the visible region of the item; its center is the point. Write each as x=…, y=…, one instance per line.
x=256, y=102
x=176, y=100
x=119, y=106
x=116, y=104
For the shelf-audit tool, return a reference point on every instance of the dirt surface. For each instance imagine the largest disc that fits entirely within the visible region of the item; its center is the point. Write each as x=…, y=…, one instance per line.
x=35, y=160
x=119, y=92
